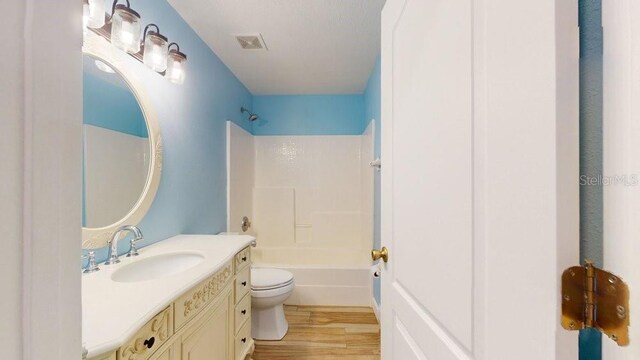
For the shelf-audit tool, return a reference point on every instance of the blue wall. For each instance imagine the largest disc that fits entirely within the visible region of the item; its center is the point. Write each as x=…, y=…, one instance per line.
x=192, y=193
x=109, y=106
x=309, y=115
x=591, y=150
x=372, y=112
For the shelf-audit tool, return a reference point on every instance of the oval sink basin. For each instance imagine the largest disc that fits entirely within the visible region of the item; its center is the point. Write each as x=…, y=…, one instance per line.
x=157, y=267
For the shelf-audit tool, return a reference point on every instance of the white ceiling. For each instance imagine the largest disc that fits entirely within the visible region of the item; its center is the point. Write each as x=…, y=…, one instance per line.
x=315, y=46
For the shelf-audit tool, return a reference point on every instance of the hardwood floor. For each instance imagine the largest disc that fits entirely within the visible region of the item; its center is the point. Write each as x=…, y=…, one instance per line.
x=327, y=333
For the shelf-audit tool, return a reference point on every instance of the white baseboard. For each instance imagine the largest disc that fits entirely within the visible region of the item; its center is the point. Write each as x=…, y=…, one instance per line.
x=376, y=308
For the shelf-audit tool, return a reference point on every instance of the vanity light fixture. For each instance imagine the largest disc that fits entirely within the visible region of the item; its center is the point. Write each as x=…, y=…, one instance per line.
x=125, y=27
x=176, y=65
x=96, y=13
x=155, y=49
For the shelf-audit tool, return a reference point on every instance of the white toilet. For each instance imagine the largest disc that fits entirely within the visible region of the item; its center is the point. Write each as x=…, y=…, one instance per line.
x=269, y=289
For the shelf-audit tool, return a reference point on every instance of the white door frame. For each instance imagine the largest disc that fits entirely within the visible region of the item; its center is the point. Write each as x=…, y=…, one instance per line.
x=41, y=207
x=621, y=158
x=526, y=108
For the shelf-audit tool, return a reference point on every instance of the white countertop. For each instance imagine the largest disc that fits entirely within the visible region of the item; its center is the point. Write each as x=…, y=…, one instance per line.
x=112, y=312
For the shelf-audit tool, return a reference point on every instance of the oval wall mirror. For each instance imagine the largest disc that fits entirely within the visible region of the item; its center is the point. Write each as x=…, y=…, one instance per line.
x=122, y=148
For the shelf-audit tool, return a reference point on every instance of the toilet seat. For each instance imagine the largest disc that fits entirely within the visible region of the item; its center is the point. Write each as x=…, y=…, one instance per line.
x=269, y=279
x=274, y=292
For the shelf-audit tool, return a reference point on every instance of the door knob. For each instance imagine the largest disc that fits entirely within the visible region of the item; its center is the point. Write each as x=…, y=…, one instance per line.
x=380, y=254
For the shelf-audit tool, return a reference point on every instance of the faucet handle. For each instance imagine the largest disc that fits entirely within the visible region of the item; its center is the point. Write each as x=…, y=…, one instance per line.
x=91, y=263
x=133, y=250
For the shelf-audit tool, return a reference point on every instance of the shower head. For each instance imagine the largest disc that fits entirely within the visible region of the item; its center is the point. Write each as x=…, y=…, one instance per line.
x=252, y=116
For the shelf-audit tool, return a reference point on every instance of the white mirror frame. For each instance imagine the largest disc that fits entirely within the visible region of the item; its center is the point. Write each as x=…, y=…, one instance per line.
x=100, y=48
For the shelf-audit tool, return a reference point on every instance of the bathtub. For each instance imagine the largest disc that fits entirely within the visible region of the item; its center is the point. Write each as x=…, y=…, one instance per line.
x=322, y=276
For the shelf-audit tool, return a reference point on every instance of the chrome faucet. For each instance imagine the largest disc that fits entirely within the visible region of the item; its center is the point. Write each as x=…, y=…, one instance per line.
x=91, y=262
x=112, y=256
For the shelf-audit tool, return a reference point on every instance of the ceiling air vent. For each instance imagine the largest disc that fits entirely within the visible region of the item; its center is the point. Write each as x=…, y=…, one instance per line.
x=251, y=42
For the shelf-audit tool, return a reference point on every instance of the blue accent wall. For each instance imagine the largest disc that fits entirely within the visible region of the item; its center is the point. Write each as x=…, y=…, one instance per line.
x=372, y=105
x=591, y=220
x=112, y=107
x=309, y=115
x=192, y=195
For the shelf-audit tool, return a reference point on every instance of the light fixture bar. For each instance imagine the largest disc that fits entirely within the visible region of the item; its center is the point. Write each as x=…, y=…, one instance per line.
x=176, y=60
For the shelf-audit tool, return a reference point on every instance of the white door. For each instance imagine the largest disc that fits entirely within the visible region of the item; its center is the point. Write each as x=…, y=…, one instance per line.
x=621, y=159
x=480, y=177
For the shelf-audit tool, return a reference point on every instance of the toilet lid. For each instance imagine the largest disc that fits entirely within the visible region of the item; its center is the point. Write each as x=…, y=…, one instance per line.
x=262, y=278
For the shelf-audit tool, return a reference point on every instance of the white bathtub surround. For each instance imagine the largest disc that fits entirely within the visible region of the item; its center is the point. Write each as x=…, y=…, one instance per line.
x=347, y=286
x=324, y=276
x=240, y=175
x=308, y=256
x=274, y=216
x=312, y=210
x=112, y=312
x=366, y=183
x=308, y=194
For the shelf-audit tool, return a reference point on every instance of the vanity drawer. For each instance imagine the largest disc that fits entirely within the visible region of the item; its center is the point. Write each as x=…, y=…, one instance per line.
x=189, y=304
x=243, y=284
x=243, y=312
x=243, y=259
x=243, y=341
x=152, y=335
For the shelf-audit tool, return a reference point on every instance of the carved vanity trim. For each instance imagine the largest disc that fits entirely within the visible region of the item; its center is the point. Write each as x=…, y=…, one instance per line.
x=155, y=333
x=189, y=304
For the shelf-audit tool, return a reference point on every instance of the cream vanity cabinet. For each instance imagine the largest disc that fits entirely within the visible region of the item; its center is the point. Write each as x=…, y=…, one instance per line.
x=212, y=321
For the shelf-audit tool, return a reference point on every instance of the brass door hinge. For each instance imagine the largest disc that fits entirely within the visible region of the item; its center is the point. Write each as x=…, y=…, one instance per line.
x=594, y=298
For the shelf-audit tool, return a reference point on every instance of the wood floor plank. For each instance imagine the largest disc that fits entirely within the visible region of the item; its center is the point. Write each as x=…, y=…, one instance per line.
x=325, y=333
x=323, y=318
x=297, y=317
x=304, y=352
x=318, y=308
x=363, y=340
x=362, y=328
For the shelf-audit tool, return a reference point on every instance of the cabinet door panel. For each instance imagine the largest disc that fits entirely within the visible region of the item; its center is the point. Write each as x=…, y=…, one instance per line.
x=210, y=339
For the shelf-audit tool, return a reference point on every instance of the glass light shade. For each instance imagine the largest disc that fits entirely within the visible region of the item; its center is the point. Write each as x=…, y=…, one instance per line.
x=156, y=51
x=96, y=13
x=85, y=15
x=125, y=29
x=176, y=66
